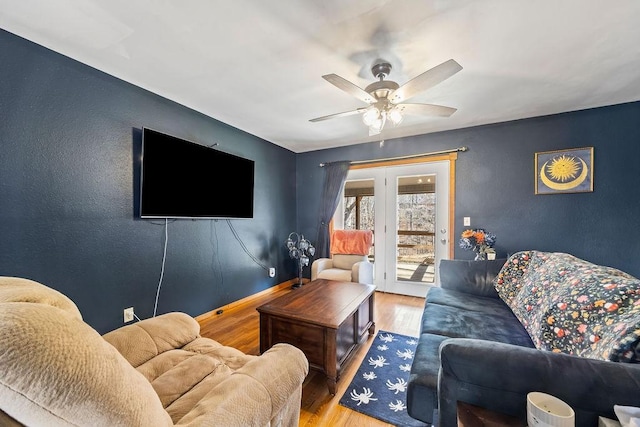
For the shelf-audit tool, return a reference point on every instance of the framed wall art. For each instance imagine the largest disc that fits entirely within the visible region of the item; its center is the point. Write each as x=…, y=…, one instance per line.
x=564, y=171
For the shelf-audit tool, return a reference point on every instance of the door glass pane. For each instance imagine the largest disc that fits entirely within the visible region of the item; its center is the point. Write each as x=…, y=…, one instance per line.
x=359, y=207
x=416, y=219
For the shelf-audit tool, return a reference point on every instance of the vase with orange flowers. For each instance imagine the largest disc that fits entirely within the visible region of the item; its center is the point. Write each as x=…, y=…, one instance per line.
x=477, y=240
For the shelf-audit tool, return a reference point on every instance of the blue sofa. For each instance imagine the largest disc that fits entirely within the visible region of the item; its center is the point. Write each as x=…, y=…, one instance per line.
x=496, y=330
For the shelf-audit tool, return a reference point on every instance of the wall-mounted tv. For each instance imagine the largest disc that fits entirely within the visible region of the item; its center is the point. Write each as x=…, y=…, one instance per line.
x=182, y=179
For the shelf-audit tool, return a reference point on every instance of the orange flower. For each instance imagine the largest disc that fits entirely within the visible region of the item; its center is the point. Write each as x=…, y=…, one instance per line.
x=467, y=233
x=479, y=236
x=611, y=306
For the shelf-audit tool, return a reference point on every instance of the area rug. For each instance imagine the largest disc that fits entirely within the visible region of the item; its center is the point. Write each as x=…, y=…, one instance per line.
x=379, y=388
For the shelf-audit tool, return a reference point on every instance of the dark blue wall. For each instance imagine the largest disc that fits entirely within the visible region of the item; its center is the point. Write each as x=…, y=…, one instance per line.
x=495, y=183
x=70, y=138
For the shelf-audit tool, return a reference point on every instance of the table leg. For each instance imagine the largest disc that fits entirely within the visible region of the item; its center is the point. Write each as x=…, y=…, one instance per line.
x=331, y=359
x=331, y=382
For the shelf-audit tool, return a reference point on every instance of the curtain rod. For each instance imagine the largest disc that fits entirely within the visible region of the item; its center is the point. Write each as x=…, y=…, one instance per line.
x=433, y=153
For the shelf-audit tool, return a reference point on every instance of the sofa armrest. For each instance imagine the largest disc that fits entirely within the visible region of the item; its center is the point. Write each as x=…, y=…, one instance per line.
x=499, y=376
x=475, y=277
x=144, y=340
x=362, y=272
x=267, y=389
x=320, y=264
x=57, y=370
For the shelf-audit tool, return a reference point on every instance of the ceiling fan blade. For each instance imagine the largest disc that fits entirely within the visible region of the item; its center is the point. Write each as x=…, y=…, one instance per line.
x=424, y=81
x=349, y=87
x=427, y=109
x=345, y=114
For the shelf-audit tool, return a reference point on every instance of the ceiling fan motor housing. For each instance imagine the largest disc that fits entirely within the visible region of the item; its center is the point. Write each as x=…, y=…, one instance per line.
x=381, y=70
x=381, y=89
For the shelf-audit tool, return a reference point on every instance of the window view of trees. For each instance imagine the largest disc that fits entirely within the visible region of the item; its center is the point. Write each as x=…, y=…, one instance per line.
x=365, y=217
x=415, y=224
x=359, y=215
x=416, y=234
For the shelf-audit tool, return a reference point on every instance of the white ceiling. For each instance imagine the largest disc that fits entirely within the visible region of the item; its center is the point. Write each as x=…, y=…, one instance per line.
x=257, y=64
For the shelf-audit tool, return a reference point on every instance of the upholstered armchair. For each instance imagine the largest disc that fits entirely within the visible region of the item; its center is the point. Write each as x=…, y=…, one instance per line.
x=349, y=260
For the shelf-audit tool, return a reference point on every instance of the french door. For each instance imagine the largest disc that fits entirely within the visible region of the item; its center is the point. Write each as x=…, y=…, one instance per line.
x=407, y=207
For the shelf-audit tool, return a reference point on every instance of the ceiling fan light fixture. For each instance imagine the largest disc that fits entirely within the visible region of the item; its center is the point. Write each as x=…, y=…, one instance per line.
x=376, y=127
x=371, y=116
x=395, y=115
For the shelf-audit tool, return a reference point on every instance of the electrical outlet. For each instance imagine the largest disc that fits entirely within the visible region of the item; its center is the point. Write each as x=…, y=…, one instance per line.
x=467, y=221
x=128, y=314
x=272, y=272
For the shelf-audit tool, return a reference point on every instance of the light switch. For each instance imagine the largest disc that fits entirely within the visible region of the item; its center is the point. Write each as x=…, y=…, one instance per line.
x=467, y=221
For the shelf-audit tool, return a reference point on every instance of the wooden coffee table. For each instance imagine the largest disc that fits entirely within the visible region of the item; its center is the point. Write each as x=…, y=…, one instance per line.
x=325, y=319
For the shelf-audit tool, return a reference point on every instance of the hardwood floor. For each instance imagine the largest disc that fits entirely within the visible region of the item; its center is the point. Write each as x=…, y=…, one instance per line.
x=239, y=325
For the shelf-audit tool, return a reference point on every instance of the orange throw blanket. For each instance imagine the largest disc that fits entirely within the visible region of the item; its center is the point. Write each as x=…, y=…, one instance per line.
x=351, y=242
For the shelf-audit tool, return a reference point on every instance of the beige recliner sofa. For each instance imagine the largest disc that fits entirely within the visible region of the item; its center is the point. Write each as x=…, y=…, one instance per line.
x=55, y=370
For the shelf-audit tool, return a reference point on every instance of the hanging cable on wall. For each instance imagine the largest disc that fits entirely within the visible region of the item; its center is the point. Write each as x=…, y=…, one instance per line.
x=244, y=248
x=164, y=259
x=213, y=238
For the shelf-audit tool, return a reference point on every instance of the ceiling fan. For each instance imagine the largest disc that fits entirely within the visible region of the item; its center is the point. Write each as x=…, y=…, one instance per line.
x=386, y=98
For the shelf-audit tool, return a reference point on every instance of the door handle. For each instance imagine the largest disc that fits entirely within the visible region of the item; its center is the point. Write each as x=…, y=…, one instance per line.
x=444, y=239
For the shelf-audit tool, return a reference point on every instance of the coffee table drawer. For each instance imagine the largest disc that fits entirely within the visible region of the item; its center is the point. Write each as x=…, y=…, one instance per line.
x=308, y=338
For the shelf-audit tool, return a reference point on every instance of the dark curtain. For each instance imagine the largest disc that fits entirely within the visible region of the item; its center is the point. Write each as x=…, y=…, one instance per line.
x=334, y=178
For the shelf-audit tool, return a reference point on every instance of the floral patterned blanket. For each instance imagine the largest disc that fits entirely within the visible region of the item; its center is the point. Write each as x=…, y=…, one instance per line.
x=572, y=306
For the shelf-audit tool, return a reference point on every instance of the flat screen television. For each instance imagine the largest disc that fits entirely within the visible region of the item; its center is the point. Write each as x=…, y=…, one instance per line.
x=182, y=179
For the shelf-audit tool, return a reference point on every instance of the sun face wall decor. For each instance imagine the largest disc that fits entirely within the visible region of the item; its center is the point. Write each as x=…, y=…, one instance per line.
x=564, y=171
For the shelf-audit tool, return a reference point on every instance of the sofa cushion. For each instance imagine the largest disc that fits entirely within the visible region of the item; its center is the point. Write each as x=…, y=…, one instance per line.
x=335, y=274
x=465, y=301
x=470, y=276
x=456, y=323
x=569, y=305
x=142, y=341
x=345, y=262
